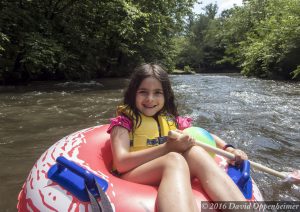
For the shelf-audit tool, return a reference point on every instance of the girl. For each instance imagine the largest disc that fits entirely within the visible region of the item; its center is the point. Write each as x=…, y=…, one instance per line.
x=143, y=154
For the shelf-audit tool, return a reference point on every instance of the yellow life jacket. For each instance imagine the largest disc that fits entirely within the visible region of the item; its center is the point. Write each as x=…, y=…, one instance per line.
x=150, y=132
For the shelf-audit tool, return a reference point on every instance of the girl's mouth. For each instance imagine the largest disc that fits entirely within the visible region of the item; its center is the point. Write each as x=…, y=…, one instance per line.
x=149, y=107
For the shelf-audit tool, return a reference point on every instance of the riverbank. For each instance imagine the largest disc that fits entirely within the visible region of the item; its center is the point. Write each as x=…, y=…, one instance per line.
x=182, y=72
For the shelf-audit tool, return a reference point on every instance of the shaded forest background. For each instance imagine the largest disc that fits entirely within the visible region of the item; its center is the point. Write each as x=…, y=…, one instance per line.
x=82, y=40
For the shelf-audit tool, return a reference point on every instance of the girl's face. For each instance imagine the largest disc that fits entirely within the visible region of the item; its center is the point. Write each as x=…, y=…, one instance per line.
x=150, y=97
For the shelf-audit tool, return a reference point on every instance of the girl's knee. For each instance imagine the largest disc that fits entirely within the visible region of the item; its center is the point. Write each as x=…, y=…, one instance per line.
x=198, y=152
x=197, y=157
x=175, y=160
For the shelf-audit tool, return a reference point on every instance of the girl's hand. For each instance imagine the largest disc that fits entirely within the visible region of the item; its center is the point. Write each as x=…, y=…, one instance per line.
x=240, y=156
x=181, y=143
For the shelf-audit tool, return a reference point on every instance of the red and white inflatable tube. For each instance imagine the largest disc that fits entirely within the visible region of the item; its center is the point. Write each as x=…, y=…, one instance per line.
x=90, y=148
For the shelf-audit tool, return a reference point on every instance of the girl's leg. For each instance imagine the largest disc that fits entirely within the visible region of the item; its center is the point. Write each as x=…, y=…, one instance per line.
x=216, y=183
x=172, y=174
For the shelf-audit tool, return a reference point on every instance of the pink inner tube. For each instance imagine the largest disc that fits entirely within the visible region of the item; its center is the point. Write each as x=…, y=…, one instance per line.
x=90, y=148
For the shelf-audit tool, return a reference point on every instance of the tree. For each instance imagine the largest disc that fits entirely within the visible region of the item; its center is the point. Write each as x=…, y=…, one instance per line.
x=202, y=49
x=271, y=49
x=72, y=39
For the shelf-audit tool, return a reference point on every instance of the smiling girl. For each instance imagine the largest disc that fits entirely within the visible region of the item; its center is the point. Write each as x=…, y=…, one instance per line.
x=142, y=152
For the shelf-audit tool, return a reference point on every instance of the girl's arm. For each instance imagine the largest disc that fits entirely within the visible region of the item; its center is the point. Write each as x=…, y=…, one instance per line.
x=239, y=154
x=124, y=160
x=221, y=143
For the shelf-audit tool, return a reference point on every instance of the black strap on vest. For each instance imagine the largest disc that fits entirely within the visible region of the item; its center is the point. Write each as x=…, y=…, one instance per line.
x=157, y=141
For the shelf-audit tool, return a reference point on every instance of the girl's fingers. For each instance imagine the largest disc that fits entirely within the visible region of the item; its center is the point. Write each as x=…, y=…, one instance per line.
x=184, y=137
x=182, y=143
x=240, y=156
x=192, y=141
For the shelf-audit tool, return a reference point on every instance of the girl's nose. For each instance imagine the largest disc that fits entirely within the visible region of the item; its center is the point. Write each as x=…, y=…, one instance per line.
x=150, y=97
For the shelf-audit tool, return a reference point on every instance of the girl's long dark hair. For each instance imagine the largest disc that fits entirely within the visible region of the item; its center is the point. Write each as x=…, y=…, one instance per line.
x=140, y=73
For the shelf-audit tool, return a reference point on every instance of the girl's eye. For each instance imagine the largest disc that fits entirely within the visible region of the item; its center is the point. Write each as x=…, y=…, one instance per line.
x=142, y=92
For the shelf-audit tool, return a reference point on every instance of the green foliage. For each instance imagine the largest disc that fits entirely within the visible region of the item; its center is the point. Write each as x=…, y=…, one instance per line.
x=268, y=47
x=262, y=38
x=296, y=73
x=187, y=69
x=201, y=49
x=41, y=53
x=72, y=39
x=3, y=39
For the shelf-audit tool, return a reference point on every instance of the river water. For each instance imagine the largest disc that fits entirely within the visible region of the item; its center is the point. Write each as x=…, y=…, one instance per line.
x=261, y=117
